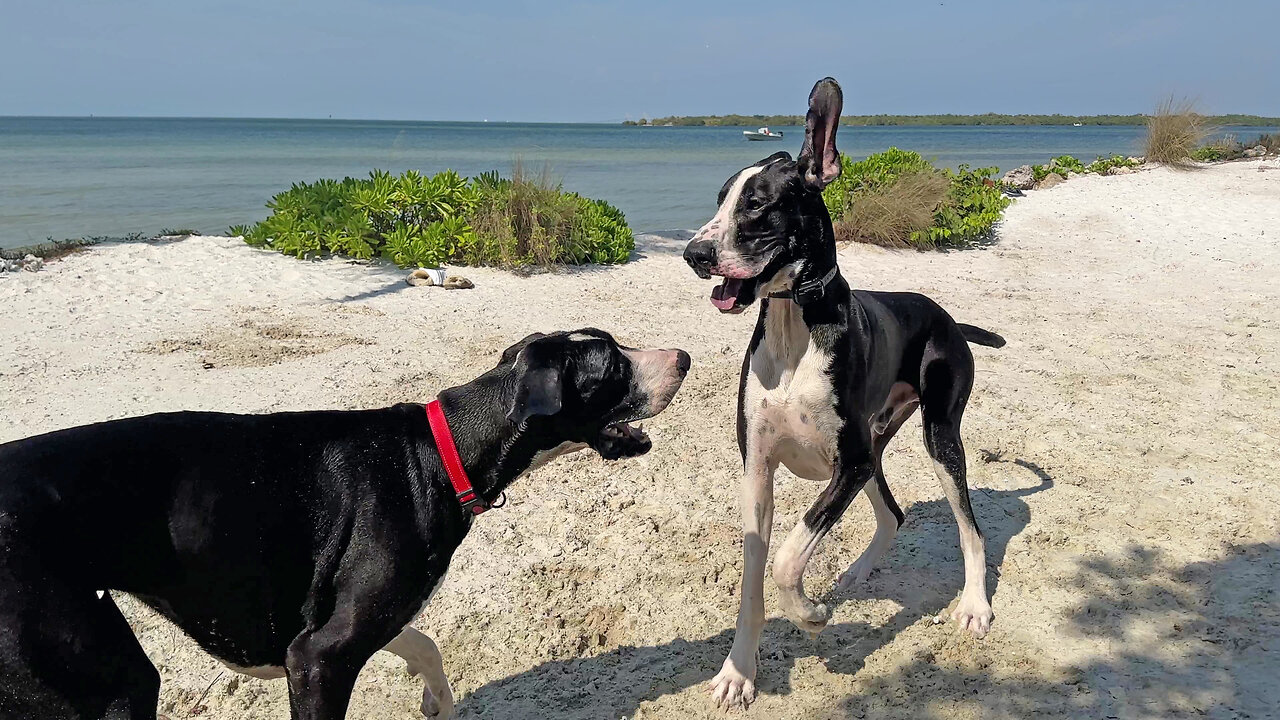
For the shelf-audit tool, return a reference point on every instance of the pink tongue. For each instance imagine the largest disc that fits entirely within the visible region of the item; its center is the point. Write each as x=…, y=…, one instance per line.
x=724, y=296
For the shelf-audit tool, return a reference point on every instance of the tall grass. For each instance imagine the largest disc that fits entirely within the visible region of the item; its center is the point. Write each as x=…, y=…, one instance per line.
x=1174, y=132
x=527, y=220
x=889, y=216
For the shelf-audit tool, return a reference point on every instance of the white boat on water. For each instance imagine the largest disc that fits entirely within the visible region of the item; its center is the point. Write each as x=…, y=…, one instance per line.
x=763, y=133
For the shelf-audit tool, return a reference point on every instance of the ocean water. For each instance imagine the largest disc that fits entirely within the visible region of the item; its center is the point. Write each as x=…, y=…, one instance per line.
x=76, y=177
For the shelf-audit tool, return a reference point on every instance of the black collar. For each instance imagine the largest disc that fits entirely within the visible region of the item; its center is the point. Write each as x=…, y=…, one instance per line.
x=809, y=291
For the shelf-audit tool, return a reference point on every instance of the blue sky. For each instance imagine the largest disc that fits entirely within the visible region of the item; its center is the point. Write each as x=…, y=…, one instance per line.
x=607, y=61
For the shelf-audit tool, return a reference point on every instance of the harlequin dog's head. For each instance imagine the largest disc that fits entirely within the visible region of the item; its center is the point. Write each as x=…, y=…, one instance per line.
x=582, y=389
x=772, y=230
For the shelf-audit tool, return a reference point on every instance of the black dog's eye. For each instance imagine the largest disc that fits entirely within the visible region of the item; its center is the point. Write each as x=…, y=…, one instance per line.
x=753, y=204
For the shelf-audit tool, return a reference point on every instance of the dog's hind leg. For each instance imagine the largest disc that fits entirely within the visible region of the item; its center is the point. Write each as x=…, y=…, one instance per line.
x=888, y=514
x=65, y=652
x=943, y=394
x=422, y=657
x=734, y=685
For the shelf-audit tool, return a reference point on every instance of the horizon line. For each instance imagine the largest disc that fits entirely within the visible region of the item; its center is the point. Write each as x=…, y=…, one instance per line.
x=589, y=122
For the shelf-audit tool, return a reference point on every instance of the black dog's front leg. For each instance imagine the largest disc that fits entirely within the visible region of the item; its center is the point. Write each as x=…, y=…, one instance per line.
x=854, y=467
x=322, y=667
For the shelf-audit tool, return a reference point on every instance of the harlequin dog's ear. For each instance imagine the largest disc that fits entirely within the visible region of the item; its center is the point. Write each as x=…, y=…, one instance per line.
x=539, y=373
x=819, y=161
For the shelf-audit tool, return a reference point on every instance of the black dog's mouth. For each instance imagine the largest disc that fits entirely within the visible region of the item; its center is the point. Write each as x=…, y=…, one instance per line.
x=621, y=440
x=733, y=295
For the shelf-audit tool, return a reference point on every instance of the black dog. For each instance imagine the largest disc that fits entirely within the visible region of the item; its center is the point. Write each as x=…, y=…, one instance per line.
x=829, y=377
x=288, y=545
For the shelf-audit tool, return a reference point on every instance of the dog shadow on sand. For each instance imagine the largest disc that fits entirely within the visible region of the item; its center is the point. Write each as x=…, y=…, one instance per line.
x=615, y=683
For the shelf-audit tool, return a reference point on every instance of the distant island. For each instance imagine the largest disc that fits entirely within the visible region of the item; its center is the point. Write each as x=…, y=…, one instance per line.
x=986, y=119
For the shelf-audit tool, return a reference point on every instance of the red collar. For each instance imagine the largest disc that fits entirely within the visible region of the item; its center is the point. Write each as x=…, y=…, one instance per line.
x=467, y=495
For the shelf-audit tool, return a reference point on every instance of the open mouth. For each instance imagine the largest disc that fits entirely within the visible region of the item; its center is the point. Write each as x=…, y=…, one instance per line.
x=621, y=440
x=725, y=296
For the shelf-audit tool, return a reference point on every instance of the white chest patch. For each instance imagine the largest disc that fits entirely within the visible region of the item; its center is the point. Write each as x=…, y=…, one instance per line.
x=788, y=403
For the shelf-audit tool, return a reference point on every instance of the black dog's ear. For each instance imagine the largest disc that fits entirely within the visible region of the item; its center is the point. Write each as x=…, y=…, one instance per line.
x=539, y=384
x=509, y=355
x=819, y=160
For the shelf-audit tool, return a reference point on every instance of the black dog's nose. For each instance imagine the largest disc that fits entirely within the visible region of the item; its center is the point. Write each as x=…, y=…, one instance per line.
x=701, y=256
x=683, y=361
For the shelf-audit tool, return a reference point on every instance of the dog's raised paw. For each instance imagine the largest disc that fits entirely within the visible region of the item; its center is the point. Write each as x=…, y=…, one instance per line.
x=437, y=708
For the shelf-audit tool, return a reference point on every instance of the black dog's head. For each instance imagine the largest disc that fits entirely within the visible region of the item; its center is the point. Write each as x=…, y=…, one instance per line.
x=772, y=230
x=582, y=389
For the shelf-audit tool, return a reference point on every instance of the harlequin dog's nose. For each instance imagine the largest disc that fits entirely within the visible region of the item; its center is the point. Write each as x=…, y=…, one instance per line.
x=701, y=256
x=683, y=361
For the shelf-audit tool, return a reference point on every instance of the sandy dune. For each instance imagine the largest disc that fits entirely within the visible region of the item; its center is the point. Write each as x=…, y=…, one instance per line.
x=1122, y=448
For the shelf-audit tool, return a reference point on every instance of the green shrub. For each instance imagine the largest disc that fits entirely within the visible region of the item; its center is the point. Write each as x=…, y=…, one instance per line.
x=1067, y=164
x=1102, y=165
x=1209, y=153
x=897, y=198
x=427, y=221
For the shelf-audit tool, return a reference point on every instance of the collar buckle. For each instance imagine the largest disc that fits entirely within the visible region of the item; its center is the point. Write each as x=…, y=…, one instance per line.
x=810, y=291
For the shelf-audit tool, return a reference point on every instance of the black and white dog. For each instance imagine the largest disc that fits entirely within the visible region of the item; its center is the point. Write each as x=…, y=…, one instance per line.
x=829, y=377
x=287, y=545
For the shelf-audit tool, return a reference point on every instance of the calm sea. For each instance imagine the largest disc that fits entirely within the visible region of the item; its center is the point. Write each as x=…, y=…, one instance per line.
x=74, y=177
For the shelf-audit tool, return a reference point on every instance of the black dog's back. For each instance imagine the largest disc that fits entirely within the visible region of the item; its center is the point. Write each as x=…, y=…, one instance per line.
x=211, y=511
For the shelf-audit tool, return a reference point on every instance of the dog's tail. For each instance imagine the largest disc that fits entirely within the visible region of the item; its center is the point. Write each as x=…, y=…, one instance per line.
x=979, y=336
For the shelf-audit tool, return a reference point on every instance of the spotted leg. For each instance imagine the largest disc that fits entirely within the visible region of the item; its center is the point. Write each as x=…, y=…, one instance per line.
x=422, y=657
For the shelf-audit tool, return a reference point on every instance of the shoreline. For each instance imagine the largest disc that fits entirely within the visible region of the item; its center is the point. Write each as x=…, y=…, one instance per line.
x=53, y=249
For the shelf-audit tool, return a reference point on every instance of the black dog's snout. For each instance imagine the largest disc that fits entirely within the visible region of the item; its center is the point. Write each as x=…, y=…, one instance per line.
x=701, y=256
x=683, y=361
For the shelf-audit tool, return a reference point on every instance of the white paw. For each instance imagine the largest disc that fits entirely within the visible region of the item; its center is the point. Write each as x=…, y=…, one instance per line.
x=856, y=575
x=973, y=613
x=731, y=688
x=434, y=707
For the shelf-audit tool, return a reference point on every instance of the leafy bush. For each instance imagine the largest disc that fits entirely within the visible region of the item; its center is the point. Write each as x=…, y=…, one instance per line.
x=1209, y=153
x=1067, y=164
x=1102, y=165
x=1173, y=133
x=427, y=221
x=897, y=198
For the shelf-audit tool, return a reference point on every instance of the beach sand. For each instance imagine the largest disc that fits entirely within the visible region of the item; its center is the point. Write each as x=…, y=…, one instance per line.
x=1122, y=452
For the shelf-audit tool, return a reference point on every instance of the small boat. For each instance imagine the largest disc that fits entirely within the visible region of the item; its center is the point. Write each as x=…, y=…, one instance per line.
x=763, y=133
x=1077, y=125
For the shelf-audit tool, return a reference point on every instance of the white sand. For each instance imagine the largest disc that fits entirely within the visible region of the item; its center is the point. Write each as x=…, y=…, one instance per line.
x=1122, y=447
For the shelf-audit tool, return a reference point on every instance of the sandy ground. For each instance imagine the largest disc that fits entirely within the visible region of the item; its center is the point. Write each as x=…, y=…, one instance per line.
x=1122, y=450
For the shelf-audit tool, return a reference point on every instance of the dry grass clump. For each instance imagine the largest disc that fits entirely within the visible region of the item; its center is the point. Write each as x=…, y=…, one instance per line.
x=1174, y=132
x=529, y=222
x=889, y=216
